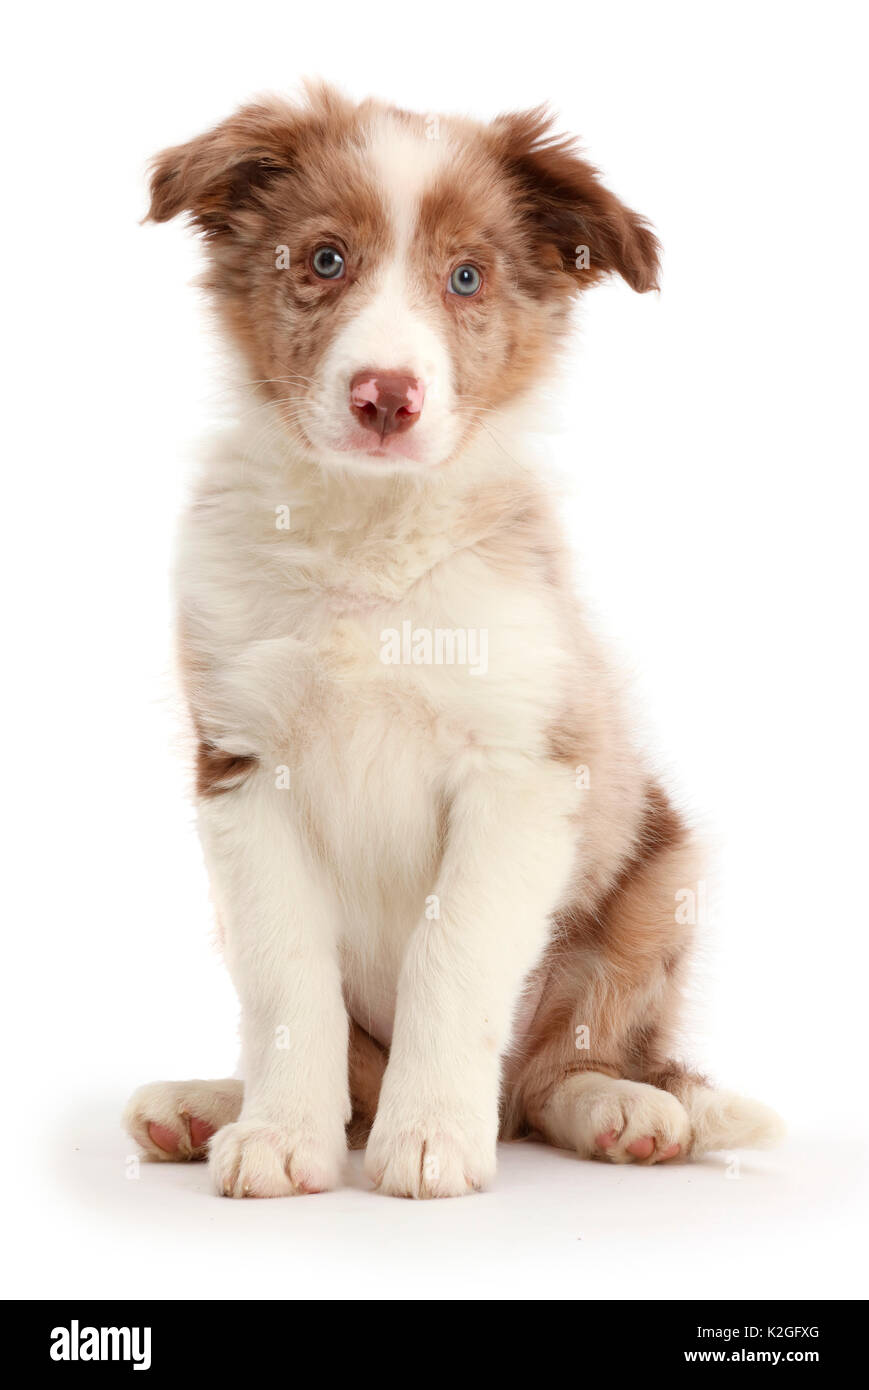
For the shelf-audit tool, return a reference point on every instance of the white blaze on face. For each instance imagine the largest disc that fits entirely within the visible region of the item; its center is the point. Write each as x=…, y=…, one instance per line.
x=396, y=329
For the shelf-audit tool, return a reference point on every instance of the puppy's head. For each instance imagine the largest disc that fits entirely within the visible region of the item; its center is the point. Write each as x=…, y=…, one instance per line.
x=392, y=278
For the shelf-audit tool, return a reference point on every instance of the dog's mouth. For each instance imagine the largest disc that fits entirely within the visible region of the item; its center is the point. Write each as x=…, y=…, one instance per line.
x=370, y=450
x=391, y=448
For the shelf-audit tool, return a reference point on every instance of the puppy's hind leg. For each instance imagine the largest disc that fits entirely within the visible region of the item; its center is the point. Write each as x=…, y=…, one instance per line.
x=367, y=1066
x=174, y=1120
x=598, y=1076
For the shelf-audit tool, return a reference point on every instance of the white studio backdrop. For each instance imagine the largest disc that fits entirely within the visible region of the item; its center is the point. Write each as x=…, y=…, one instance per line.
x=712, y=439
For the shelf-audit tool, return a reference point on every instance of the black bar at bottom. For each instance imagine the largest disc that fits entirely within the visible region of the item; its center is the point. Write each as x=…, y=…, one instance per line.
x=612, y=1339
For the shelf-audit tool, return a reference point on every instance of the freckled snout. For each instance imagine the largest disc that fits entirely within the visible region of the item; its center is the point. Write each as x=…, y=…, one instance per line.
x=386, y=402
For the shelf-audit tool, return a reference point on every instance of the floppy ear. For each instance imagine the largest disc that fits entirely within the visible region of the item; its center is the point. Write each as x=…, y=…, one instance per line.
x=216, y=177
x=568, y=208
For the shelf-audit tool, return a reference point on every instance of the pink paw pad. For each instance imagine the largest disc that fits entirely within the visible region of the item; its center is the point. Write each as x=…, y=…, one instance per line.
x=169, y=1141
x=606, y=1140
x=642, y=1148
x=164, y=1137
x=200, y=1132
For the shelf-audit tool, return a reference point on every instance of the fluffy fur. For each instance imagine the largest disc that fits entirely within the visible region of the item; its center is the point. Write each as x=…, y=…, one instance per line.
x=448, y=893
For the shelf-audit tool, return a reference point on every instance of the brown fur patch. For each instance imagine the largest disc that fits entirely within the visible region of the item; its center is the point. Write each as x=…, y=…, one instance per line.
x=217, y=771
x=367, y=1060
x=274, y=176
x=613, y=970
x=567, y=207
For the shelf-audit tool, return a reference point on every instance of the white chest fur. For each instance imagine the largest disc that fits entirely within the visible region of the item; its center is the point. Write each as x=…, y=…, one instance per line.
x=369, y=666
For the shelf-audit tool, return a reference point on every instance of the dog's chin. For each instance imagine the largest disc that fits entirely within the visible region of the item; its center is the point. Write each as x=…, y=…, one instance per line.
x=375, y=459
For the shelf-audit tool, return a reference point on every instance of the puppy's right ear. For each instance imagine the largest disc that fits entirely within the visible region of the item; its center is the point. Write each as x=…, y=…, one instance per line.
x=217, y=177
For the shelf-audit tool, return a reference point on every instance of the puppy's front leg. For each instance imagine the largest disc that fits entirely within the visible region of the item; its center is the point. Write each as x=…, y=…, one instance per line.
x=279, y=919
x=508, y=859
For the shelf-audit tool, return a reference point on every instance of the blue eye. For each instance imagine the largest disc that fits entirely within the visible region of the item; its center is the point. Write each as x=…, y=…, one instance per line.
x=466, y=280
x=328, y=263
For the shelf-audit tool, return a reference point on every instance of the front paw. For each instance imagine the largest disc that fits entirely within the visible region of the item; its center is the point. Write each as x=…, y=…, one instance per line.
x=430, y=1156
x=256, y=1159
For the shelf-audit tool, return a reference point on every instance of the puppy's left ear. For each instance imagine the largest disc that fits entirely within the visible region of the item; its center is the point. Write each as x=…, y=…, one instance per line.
x=581, y=228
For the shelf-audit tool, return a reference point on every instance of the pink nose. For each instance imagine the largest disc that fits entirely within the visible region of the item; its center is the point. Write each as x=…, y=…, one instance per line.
x=386, y=402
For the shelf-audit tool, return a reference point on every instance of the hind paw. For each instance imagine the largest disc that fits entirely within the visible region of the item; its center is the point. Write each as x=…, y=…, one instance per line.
x=631, y=1122
x=621, y=1121
x=174, y=1120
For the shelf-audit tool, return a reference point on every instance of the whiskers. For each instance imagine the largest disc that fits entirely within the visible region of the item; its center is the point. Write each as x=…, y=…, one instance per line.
x=473, y=411
x=285, y=421
x=287, y=413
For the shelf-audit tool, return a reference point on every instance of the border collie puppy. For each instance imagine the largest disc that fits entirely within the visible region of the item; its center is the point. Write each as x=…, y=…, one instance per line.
x=451, y=895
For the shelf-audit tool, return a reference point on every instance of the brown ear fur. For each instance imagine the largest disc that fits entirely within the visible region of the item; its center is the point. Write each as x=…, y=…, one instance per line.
x=216, y=175
x=569, y=206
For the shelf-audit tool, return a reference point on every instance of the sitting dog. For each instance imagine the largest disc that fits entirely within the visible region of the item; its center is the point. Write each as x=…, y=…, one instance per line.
x=448, y=887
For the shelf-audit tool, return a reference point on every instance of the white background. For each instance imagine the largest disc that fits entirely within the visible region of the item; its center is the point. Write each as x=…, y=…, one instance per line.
x=714, y=437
